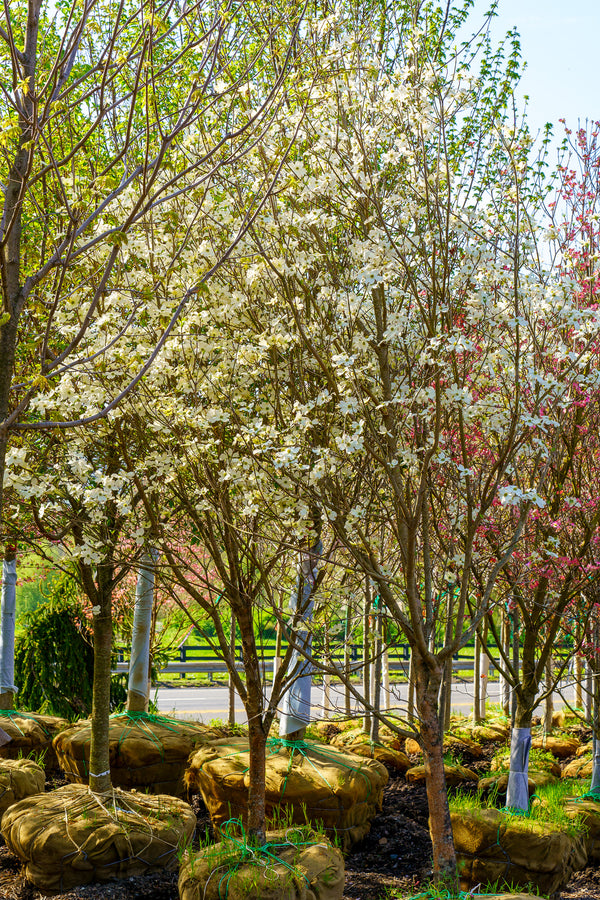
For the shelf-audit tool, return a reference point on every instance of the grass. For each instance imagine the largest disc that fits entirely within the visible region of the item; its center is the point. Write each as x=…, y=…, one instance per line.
x=547, y=805
x=539, y=760
x=430, y=891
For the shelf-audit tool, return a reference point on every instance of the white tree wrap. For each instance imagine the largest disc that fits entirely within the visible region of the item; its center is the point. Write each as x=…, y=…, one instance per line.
x=142, y=619
x=295, y=703
x=7, y=626
x=517, y=796
x=595, y=785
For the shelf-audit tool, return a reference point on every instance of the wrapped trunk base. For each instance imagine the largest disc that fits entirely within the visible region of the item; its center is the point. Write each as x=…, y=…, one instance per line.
x=293, y=865
x=19, y=778
x=71, y=837
x=514, y=850
x=146, y=752
x=31, y=734
x=305, y=783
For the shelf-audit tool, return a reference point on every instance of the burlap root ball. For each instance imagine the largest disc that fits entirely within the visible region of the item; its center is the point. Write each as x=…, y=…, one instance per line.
x=579, y=768
x=497, y=785
x=19, y=778
x=491, y=733
x=292, y=866
x=387, y=750
x=146, y=752
x=31, y=734
x=501, y=761
x=313, y=783
x=560, y=746
x=455, y=775
x=587, y=811
x=492, y=846
x=71, y=837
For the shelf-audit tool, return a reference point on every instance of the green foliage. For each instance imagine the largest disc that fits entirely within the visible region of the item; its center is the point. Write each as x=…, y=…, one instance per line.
x=35, y=584
x=54, y=658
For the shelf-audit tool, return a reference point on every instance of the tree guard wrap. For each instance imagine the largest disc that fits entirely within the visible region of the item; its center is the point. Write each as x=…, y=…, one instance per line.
x=142, y=620
x=295, y=703
x=517, y=795
x=595, y=785
x=7, y=626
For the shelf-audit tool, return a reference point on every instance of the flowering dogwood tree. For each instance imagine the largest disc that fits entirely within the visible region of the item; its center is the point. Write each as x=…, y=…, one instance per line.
x=427, y=357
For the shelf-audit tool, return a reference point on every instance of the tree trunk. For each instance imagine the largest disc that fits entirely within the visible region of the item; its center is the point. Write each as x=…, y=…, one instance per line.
x=504, y=682
x=549, y=705
x=595, y=783
x=139, y=666
x=377, y=663
x=347, y=660
x=484, y=673
x=517, y=795
x=100, y=782
x=257, y=742
x=578, y=674
x=326, y=675
x=231, y=710
x=515, y=661
x=477, y=681
x=446, y=692
x=367, y=654
x=410, y=702
x=7, y=628
x=257, y=737
x=427, y=685
x=588, y=700
x=295, y=705
x=386, y=677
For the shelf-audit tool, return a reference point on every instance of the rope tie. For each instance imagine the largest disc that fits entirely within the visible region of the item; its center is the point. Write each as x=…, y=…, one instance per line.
x=13, y=714
x=264, y=856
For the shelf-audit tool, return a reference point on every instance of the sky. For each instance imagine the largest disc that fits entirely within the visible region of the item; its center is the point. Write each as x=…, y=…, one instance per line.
x=560, y=42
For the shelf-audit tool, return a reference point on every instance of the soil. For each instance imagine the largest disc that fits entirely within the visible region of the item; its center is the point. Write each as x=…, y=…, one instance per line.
x=396, y=854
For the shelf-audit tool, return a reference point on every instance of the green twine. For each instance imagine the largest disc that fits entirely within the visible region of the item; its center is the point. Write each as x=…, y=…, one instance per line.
x=17, y=714
x=302, y=747
x=264, y=856
x=593, y=795
x=515, y=811
x=143, y=720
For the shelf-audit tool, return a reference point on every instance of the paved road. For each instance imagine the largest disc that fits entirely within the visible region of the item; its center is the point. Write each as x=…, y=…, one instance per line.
x=213, y=702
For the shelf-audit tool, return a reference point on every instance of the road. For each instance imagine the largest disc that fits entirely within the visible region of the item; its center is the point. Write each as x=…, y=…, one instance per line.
x=209, y=703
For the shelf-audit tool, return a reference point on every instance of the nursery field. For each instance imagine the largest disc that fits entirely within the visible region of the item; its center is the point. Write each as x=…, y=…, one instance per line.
x=394, y=858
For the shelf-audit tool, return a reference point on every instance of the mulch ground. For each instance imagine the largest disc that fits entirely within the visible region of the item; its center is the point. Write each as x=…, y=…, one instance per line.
x=395, y=854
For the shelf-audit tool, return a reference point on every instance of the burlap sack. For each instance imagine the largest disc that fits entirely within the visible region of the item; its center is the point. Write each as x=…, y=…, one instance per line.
x=72, y=837
x=146, y=751
x=560, y=747
x=454, y=775
x=413, y=747
x=19, y=778
x=494, y=847
x=313, y=783
x=589, y=812
x=498, y=785
x=357, y=742
x=578, y=768
x=502, y=761
x=310, y=869
x=31, y=734
x=492, y=733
